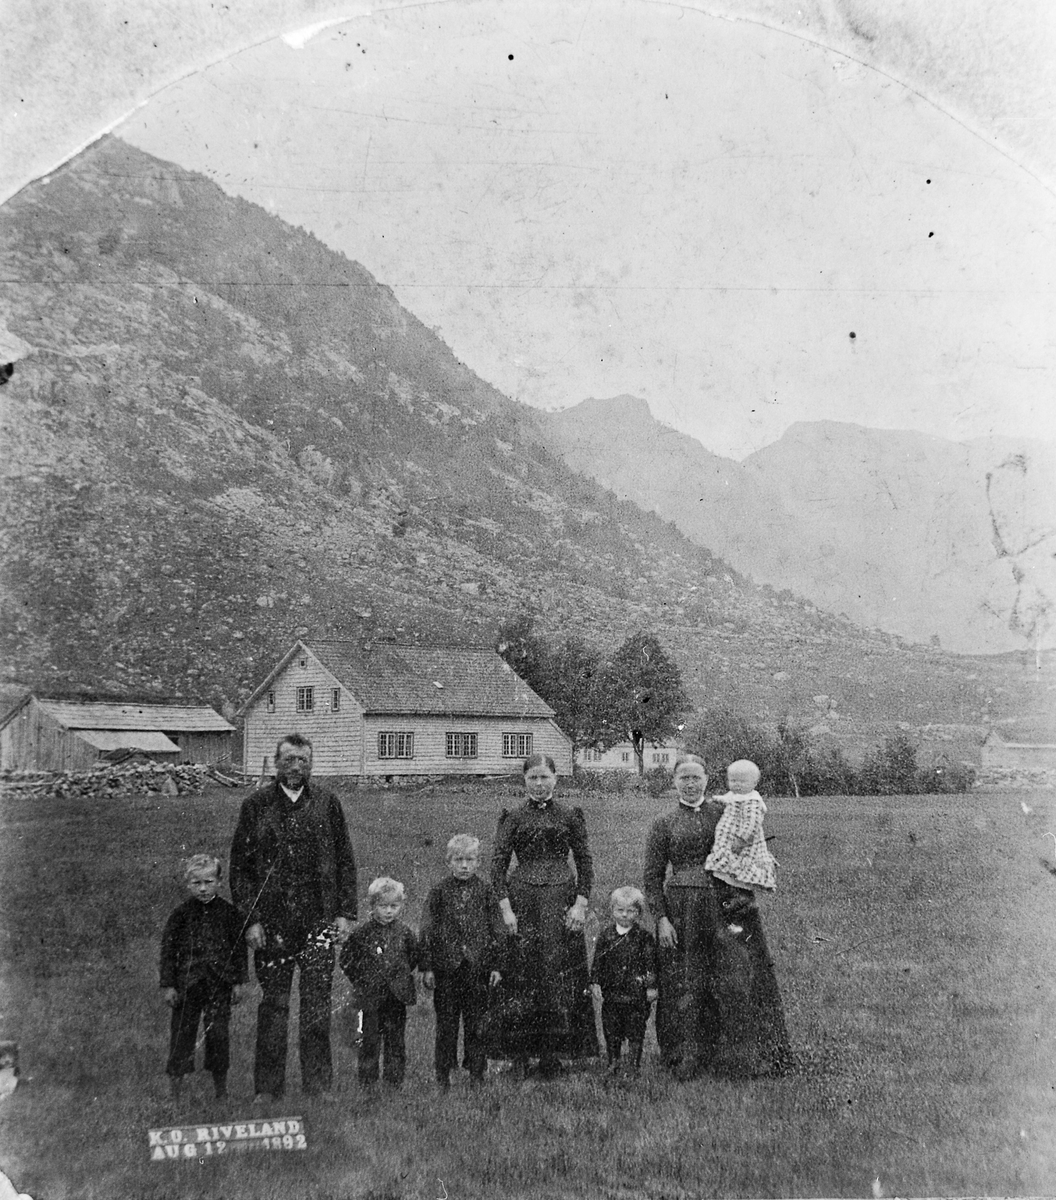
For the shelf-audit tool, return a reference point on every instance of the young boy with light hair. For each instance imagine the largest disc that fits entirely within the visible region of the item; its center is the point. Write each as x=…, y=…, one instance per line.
x=623, y=975
x=461, y=945
x=203, y=968
x=379, y=959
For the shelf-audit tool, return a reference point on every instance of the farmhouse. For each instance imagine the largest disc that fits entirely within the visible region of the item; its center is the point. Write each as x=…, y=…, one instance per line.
x=621, y=758
x=1035, y=756
x=387, y=709
x=70, y=735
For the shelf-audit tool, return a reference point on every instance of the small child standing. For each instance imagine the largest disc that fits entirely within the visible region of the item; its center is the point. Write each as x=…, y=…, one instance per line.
x=623, y=975
x=739, y=856
x=462, y=932
x=203, y=968
x=379, y=959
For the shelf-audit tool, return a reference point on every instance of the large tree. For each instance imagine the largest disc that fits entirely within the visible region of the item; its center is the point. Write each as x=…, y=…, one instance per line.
x=573, y=691
x=566, y=676
x=518, y=644
x=640, y=696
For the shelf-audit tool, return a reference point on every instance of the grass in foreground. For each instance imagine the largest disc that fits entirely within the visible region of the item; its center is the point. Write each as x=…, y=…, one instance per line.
x=912, y=937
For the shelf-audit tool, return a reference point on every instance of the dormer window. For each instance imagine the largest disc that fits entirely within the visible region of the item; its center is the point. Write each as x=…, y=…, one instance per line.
x=304, y=663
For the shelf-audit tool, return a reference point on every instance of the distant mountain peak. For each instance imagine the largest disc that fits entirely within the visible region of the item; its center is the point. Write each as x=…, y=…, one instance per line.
x=614, y=408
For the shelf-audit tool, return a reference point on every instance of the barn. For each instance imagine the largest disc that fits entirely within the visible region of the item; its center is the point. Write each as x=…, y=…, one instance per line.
x=389, y=709
x=71, y=735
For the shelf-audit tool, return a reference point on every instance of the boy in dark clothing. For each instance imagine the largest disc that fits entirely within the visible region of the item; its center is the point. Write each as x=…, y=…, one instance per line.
x=203, y=968
x=462, y=931
x=379, y=959
x=623, y=975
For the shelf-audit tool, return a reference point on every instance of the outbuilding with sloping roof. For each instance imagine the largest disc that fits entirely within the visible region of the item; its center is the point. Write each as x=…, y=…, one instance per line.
x=387, y=709
x=70, y=735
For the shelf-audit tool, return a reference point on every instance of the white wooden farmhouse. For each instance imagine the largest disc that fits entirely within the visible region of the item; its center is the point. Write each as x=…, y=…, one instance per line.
x=387, y=708
x=621, y=757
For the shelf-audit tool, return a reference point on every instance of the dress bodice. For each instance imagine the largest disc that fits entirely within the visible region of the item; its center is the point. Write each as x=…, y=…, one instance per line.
x=541, y=837
x=683, y=839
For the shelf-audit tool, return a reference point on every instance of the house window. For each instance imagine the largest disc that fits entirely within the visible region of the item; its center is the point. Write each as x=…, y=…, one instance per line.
x=461, y=745
x=516, y=745
x=304, y=663
x=271, y=701
x=395, y=745
x=625, y=756
x=335, y=700
x=661, y=758
x=305, y=699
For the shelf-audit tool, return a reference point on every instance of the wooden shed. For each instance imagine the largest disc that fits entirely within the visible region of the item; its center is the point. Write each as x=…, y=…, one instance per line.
x=388, y=709
x=72, y=735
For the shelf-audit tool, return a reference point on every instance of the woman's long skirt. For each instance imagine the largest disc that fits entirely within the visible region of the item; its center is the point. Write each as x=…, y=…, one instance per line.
x=719, y=1007
x=543, y=1007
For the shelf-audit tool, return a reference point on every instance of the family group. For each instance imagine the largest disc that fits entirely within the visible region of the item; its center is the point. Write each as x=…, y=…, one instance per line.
x=504, y=958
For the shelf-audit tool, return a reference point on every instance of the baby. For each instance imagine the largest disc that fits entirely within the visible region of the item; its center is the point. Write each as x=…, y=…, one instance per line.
x=739, y=856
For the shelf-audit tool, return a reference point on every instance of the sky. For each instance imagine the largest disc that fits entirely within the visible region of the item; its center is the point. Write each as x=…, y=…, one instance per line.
x=739, y=226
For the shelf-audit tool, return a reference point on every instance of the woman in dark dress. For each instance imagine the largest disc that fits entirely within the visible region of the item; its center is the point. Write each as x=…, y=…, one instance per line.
x=719, y=1007
x=545, y=1010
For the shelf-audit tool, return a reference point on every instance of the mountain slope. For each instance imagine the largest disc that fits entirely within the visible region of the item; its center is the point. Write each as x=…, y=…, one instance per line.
x=226, y=435
x=898, y=530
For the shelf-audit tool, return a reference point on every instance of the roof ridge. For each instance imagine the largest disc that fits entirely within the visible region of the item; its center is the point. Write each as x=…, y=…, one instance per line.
x=384, y=642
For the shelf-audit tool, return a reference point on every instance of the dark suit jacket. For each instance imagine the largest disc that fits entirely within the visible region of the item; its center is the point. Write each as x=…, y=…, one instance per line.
x=259, y=844
x=203, y=943
x=461, y=923
x=379, y=960
x=624, y=964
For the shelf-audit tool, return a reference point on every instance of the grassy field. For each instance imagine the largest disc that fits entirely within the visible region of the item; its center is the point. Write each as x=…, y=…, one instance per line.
x=913, y=938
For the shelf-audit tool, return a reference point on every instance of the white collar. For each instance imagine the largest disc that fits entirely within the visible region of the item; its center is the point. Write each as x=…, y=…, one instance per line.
x=294, y=796
x=621, y=929
x=692, y=807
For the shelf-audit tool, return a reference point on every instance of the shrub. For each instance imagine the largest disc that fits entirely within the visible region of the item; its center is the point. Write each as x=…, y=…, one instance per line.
x=616, y=782
x=891, y=770
x=945, y=777
x=826, y=773
x=659, y=780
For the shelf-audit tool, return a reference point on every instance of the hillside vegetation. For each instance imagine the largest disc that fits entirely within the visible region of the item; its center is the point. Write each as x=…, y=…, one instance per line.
x=227, y=435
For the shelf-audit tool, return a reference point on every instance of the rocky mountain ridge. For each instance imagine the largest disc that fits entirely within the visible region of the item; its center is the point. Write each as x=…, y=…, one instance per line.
x=921, y=537
x=226, y=436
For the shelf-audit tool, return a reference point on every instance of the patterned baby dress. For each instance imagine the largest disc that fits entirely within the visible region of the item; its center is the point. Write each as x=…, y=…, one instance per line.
x=754, y=866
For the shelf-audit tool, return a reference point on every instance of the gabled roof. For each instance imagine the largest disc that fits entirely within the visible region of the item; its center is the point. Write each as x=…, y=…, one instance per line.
x=390, y=678
x=171, y=718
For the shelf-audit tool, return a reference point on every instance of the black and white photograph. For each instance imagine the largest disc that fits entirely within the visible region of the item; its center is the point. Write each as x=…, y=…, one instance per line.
x=528, y=600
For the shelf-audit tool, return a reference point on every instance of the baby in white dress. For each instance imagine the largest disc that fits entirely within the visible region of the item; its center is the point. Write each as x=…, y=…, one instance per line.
x=739, y=856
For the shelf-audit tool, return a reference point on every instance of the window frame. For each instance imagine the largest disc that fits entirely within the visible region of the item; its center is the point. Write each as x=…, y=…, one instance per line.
x=522, y=740
x=306, y=699
x=453, y=748
x=402, y=744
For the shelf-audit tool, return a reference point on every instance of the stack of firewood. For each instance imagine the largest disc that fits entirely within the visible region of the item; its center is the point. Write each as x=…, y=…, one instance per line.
x=138, y=778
